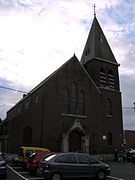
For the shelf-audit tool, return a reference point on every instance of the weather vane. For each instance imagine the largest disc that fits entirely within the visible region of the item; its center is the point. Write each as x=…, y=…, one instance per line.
x=94, y=10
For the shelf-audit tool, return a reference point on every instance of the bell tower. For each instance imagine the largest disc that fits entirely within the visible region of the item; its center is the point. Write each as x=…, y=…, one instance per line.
x=101, y=65
x=98, y=59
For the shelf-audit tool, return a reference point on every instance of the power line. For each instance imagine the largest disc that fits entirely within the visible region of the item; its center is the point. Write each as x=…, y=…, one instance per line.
x=20, y=91
x=11, y=89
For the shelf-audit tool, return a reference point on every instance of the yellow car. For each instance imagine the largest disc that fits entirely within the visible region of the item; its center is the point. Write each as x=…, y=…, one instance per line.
x=25, y=152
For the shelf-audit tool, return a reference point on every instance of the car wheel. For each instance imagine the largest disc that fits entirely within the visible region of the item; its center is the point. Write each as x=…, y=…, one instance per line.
x=56, y=176
x=101, y=175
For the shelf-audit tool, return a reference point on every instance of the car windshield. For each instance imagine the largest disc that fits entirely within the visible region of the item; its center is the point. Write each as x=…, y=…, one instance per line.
x=43, y=156
x=29, y=152
x=33, y=155
x=50, y=157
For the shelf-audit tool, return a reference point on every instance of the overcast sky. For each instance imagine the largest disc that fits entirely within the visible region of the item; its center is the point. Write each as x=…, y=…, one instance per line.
x=38, y=36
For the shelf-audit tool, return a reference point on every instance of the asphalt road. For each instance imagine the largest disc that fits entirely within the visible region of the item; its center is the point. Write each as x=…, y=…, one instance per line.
x=123, y=170
x=120, y=171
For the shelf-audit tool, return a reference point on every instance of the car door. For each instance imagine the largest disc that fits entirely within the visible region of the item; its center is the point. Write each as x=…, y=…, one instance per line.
x=86, y=168
x=70, y=166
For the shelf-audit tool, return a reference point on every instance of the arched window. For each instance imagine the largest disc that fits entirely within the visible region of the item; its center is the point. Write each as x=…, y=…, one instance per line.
x=27, y=135
x=66, y=100
x=111, y=79
x=81, y=103
x=102, y=77
x=73, y=106
x=108, y=107
x=110, y=139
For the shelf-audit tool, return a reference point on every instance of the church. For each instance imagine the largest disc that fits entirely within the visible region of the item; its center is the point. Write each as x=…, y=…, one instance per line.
x=77, y=108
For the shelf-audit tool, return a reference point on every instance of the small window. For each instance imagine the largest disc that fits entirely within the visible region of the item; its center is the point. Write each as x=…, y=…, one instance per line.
x=108, y=107
x=87, y=52
x=111, y=79
x=18, y=108
x=82, y=103
x=69, y=158
x=36, y=98
x=73, y=107
x=26, y=105
x=66, y=101
x=110, y=139
x=102, y=77
x=101, y=38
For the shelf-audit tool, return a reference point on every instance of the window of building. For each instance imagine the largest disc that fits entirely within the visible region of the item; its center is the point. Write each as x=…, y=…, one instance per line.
x=73, y=106
x=111, y=79
x=66, y=100
x=102, y=77
x=36, y=98
x=26, y=105
x=81, y=103
x=27, y=135
x=110, y=139
x=19, y=108
x=73, y=103
x=101, y=38
x=108, y=107
x=87, y=52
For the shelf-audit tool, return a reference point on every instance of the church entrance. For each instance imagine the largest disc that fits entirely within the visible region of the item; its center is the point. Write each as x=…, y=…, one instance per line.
x=74, y=141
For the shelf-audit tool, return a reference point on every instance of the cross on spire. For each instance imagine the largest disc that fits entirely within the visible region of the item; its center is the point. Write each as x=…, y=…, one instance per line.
x=94, y=10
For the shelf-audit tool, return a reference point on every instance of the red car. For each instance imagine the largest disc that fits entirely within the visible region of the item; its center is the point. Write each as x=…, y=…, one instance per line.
x=34, y=160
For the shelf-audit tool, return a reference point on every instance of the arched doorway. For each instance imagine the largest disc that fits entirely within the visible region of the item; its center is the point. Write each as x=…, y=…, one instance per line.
x=74, y=141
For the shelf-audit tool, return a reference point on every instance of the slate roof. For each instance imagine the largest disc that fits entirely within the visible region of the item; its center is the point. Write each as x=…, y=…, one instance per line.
x=97, y=46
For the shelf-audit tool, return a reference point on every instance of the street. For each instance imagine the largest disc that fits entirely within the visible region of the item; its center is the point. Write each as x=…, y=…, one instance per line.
x=120, y=171
x=123, y=170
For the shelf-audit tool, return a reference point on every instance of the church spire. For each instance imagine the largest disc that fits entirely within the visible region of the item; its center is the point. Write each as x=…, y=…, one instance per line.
x=97, y=46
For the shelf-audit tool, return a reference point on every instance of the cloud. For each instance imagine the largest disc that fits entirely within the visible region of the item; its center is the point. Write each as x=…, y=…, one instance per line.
x=8, y=98
x=128, y=118
x=127, y=87
x=37, y=37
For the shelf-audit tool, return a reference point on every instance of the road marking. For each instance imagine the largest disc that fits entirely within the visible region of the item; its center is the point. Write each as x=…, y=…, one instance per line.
x=115, y=178
x=17, y=173
x=35, y=178
x=23, y=172
x=16, y=167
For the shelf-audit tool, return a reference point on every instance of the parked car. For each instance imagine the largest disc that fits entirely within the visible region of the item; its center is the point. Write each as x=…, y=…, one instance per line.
x=3, y=168
x=131, y=156
x=72, y=165
x=34, y=160
x=25, y=152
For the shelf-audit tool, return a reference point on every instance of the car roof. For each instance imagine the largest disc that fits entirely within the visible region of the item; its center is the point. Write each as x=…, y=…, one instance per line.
x=65, y=153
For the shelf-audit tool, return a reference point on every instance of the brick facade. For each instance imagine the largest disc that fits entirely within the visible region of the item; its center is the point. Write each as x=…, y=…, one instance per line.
x=93, y=118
